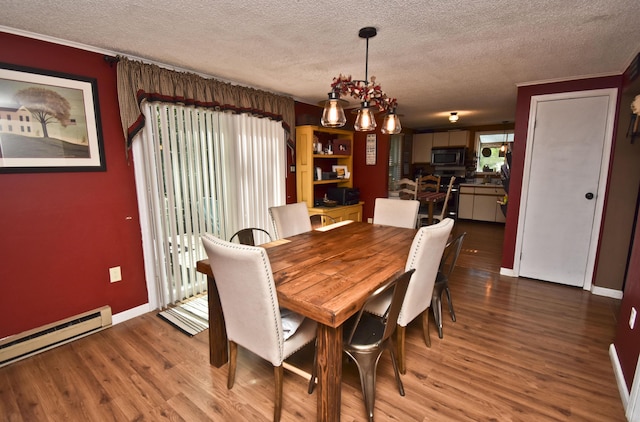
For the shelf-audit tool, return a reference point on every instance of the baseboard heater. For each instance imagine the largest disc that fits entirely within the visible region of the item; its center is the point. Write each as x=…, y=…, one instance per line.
x=28, y=343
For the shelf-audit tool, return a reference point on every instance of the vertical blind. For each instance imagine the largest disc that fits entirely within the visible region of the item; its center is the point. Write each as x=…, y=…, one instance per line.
x=201, y=171
x=395, y=160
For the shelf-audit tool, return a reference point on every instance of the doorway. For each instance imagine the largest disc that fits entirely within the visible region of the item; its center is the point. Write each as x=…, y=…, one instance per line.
x=564, y=183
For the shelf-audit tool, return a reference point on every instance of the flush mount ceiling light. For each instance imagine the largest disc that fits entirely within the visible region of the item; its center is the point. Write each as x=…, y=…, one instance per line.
x=372, y=99
x=453, y=117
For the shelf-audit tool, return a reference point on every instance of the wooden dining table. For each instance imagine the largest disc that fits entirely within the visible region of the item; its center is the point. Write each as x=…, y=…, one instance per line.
x=325, y=275
x=431, y=198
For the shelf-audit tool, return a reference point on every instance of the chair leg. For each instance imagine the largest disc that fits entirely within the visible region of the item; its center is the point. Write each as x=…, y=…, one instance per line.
x=400, y=335
x=394, y=362
x=453, y=314
x=436, y=306
x=278, y=371
x=367, y=363
x=425, y=328
x=314, y=370
x=233, y=358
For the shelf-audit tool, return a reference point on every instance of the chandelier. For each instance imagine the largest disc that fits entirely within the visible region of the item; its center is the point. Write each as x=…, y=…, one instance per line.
x=368, y=92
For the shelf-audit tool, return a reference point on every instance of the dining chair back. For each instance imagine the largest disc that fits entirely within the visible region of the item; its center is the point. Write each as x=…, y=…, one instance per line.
x=252, y=316
x=424, y=256
x=447, y=264
x=290, y=220
x=393, y=212
x=321, y=220
x=247, y=236
x=367, y=336
x=430, y=183
x=442, y=211
x=407, y=189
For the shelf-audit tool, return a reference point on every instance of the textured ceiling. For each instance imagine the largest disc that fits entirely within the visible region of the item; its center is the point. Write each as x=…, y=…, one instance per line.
x=435, y=57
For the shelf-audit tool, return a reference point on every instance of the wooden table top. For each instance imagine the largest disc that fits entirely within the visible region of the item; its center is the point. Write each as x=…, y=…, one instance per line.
x=328, y=275
x=431, y=196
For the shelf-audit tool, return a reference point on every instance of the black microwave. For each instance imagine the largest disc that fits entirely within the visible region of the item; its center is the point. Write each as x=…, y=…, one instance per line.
x=447, y=156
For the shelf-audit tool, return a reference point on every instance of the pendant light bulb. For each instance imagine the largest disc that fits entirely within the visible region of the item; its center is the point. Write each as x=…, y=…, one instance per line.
x=391, y=124
x=365, y=121
x=333, y=113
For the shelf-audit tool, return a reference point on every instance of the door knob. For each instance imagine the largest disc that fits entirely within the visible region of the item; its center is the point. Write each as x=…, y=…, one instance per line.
x=589, y=196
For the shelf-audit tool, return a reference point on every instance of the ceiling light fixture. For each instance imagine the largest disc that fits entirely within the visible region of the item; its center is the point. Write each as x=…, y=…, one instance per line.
x=372, y=99
x=453, y=117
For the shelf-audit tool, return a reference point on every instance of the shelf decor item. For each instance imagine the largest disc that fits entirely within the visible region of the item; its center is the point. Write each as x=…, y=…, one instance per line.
x=370, y=95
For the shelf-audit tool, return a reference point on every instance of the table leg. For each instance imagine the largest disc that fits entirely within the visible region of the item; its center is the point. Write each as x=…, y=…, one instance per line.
x=218, y=354
x=329, y=373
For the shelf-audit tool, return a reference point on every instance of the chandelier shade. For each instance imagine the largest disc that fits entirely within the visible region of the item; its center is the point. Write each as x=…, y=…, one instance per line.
x=391, y=124
x=370, y=95
x=365, y=120
x=333, y=113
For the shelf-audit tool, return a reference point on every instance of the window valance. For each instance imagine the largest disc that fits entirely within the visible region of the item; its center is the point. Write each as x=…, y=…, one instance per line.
x=139, y=81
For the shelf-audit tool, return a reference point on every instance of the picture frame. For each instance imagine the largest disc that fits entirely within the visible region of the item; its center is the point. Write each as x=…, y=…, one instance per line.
x=341, y=171
x=49, y=122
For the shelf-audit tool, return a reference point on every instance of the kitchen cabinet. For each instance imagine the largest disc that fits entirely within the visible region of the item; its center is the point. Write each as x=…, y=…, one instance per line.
x=308, y=187
x=453, y=138
x=422, y=143
x=480, y=202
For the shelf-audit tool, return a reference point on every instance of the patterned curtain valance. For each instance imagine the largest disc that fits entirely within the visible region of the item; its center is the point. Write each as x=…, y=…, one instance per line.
x=139, y=81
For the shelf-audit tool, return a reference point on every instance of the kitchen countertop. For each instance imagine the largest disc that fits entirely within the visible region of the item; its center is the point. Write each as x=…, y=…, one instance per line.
x=480, y=183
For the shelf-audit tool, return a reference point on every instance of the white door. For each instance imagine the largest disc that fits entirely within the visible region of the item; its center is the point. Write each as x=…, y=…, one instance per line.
x=563, y=186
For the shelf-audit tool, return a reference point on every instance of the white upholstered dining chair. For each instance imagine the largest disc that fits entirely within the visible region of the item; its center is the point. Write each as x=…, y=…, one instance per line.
x=397, y=213
x=290, y=219
x=424, y=256
x=253, y=318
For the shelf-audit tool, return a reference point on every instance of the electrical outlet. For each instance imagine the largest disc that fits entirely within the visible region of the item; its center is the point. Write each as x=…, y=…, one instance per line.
x=115, y=274
x=370, y=220
x=632, y=318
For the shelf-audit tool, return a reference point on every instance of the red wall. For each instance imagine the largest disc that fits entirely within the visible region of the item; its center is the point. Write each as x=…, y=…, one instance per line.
x=61, y=232
x=520, y=139
x=627, y=341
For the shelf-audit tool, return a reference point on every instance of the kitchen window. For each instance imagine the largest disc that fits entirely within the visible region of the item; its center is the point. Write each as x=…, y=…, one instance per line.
x=491, y=148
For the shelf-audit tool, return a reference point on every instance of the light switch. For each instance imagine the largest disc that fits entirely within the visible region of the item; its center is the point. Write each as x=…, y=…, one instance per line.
x=115, y=274
x=632, y=318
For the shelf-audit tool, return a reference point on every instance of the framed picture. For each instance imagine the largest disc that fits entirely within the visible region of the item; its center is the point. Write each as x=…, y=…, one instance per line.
x=49, y=122
x=341, y=171
x=371, y=150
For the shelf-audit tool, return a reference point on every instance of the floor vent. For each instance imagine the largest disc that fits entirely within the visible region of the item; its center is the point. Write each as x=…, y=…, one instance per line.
x=28, y=343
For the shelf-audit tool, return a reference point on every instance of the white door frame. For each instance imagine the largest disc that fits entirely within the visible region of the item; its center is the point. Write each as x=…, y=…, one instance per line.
x=604, y=172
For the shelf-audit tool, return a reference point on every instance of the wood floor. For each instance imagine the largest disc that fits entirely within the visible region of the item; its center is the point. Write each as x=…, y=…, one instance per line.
x=521, y=350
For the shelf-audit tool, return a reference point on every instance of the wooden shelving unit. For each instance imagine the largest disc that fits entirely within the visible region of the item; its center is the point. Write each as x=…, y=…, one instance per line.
x=307, y=160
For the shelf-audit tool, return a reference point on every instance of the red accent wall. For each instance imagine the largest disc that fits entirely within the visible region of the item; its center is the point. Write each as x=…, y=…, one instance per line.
x=520, y=139
x=61, y=232
x=627, y=341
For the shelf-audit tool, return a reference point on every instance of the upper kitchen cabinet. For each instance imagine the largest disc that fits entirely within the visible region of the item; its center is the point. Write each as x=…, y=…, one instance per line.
x=422, y=143
x=454, y=138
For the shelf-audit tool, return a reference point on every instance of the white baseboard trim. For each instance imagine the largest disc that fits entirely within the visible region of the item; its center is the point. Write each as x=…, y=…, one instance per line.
x=508, y=272
x=617, y=372
x=130, y=313
x=603, y=291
